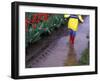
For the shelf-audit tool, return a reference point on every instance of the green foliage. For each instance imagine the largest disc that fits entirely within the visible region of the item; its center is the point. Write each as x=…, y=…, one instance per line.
x=84, y=60
x=34, y=34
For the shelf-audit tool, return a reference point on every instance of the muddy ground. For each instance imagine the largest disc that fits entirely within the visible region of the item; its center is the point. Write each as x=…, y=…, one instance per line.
x=37, y=49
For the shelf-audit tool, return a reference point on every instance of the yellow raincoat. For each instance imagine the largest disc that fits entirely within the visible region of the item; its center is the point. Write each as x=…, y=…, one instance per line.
x=73, y=22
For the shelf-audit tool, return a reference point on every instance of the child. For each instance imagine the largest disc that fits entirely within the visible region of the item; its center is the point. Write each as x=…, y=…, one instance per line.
x=73, y=21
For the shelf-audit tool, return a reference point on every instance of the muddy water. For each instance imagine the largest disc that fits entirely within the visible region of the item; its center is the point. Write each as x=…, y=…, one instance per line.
x=71, y=58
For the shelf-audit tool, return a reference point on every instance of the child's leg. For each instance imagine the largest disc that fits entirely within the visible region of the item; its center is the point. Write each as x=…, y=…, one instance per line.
x=73, y=36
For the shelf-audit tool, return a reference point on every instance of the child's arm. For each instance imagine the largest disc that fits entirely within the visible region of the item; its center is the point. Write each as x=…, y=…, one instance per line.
x=66, y=15
x=80, y=18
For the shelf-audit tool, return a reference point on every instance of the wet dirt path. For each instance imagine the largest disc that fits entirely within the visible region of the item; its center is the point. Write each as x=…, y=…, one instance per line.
x=81, y=43
x=71, y=59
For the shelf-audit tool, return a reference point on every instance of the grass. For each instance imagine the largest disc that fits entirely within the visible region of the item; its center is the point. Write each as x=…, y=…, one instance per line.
x=84, y=60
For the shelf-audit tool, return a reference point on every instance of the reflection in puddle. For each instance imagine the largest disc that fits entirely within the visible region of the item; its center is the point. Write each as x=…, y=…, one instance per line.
x=71, y=59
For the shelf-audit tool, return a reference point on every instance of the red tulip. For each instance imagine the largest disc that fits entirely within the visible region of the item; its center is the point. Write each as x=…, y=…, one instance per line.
x=34, y=26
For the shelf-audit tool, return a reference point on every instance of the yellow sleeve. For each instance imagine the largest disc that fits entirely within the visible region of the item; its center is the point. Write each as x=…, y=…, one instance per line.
x=66, y=15
x=80, y=18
